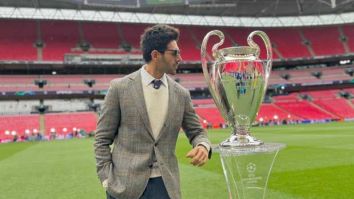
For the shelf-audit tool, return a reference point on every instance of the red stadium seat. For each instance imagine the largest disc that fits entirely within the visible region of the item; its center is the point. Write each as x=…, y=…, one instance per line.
x=18, y=124
x=339, y=107
x=306, y=110
x=101, y=35
x=81, y=120
x=17, y=40
x=62, y=37
x=317, y=38
x=59, y=38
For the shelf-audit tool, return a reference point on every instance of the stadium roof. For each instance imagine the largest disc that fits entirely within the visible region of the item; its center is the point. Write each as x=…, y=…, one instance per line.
x=262, y=13
x=246, y=8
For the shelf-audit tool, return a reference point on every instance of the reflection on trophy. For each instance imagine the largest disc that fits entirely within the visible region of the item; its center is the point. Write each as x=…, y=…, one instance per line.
x=237, y=79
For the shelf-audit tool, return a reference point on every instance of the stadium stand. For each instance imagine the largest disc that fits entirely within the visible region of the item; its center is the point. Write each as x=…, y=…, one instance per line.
x=28, y=106
x=289, y=48
x=211, y=115
x=293, y=97
x=16, y=107
x=192, y=80
x=64, y=37
x=203, y=102
x=349, y=34
x=306, y=110
x=54, y=82
x=208, y=112
x=79, y=120
x=340, y=107
x=101, y=35
x=269, y=112
x=190, y=49
x=16, y=44
x=131, y=33
x=317, y=38
x=59, y=38
x=350, y=90
x=11, y=125
x=326, y=94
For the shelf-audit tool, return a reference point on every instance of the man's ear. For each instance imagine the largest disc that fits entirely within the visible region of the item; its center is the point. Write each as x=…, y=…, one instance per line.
x=154, y=55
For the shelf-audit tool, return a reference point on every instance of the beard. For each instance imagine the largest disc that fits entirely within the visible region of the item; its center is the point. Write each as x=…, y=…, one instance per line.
x=173, y=69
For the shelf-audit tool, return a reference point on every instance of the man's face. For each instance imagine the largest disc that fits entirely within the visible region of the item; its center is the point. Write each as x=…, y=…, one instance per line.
x=170, y=59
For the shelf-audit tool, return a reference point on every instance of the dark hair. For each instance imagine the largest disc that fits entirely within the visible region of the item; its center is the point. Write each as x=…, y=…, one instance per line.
x=156, y=38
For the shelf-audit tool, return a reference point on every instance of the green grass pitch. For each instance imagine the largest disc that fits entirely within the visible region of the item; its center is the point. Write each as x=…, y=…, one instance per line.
x=318, y=163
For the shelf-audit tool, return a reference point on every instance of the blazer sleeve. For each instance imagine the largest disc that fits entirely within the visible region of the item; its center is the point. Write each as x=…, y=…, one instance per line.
x=107, y=129
x=192, y=127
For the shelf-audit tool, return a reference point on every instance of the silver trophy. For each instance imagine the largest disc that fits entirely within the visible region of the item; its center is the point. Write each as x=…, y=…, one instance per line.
x=237, y=79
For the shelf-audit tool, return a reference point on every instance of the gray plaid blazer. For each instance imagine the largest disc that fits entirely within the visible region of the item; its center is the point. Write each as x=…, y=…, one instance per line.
x=124, y=123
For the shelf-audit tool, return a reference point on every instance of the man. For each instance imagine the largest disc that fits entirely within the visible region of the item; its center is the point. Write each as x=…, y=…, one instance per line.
x=142, y=115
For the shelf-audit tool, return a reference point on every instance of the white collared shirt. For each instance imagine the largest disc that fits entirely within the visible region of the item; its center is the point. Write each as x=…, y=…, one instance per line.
x=156, y=101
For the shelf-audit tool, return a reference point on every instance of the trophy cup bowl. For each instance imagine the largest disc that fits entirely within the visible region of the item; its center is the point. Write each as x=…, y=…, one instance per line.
x=237, y=81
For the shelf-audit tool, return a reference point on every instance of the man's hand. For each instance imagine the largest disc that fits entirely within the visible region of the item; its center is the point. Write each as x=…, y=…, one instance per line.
x=199, y=155
x=105, y=184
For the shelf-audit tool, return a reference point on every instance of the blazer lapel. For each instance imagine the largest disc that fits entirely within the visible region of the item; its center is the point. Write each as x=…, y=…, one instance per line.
x=139, y=100
x=171, y=107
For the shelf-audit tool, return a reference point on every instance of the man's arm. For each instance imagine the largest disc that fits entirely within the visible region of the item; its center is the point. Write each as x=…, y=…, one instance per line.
x=196, y=134
x=107, y=129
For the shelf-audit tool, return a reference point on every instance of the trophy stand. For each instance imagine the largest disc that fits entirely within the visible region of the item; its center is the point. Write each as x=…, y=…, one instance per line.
x=247, y=169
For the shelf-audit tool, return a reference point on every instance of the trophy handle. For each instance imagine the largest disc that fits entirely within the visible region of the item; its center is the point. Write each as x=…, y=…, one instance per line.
x=268, y=46
x=210, y=74
x=216, y=54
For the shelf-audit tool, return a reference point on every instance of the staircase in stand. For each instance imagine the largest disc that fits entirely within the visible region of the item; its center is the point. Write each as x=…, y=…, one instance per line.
x=333, y=115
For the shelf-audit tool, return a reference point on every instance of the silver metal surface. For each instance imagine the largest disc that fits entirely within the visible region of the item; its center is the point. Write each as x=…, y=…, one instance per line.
x=237, y=80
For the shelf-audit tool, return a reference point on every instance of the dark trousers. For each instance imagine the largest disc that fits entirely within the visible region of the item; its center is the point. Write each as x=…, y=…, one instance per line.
x=155, y=189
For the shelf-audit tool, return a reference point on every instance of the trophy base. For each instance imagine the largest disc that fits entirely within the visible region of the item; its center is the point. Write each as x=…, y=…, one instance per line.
x=241, y=140
x=247, y=169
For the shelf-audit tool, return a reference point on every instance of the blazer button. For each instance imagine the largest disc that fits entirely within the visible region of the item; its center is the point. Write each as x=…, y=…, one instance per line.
x=155, y=144
x=150, y=165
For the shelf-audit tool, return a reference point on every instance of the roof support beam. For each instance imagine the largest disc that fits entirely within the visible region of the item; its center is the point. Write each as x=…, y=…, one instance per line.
x=151, y=18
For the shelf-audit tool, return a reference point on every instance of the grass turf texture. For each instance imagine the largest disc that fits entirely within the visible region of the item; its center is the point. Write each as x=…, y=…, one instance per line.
x=317, y=163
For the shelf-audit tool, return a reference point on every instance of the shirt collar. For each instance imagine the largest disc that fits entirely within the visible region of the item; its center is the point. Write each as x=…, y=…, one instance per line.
x=147, y=78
